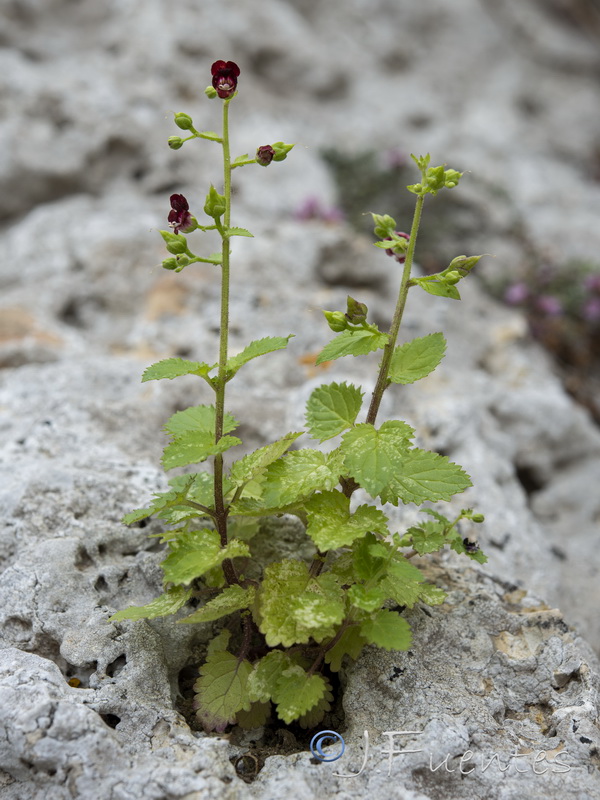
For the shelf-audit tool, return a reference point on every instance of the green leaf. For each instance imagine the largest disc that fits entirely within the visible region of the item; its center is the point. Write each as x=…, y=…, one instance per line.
x=196, y=552
x=259, y=347
x=195, y=448
x=438, y=288
x=253, y=464
x=366, y=563
x=403, y=582
x=175, y=367
x=210, y=135
x=240, y=160
x=353, y=343
x=239, y=232
x=293, y=607
x=416, y=359
x=374, y=456
x=231, y=599
x=162, y=501
x=168, y=603
x=318, y=711
x=427, y=537
x=366, y=599
x=299, y=474
x=458, y=546
x=424, y=475
x=255, y=718
x=350, y=643
x=263, y=681
x=387, y=629
x=297, y=693
x=432, y=595
x=331, y=525
x=197, y=419
x=221, y=690
x=331, y=409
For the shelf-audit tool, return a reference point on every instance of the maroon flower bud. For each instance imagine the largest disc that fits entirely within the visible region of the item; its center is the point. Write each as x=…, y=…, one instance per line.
x=225, y=77
x=399, y=257
x=264, y=155
x=180, y=218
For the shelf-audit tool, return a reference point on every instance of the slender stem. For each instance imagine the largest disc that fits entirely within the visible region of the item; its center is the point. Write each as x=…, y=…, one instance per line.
x=220, y=510
x=382, y=379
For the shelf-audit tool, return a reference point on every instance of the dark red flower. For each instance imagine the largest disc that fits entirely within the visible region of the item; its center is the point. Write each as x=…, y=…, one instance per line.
x=399, y=257
x=180, y=218
x=264, y=155
x=225, y=77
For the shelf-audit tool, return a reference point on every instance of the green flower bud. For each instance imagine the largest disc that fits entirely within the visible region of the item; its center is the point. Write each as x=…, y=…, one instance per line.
x=210, y=92
x=384, y=225
x=182, y=260
x=336, y=320
x=357, y=312
x=183, y=121
x=175, y=142
x=452, y=277
x=215, y=204
x=169, y=263
x=451, y=178
x=281, y=150
x=435, y=179
x=176, y=242
x=478, y=518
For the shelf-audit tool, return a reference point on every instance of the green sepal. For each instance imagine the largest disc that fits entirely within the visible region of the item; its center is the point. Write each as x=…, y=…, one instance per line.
x=417, y=359
x=387, y=629
x=331, y=525
x=168, y=603
x=195, y=552
x=332, y=409
x=281, y=150
x=259, y=347
x=384, y=225
x=221, y=690
x=176, y=242
x=233, y=598
x=215, y=204
x=175, y=367
x=355, y=342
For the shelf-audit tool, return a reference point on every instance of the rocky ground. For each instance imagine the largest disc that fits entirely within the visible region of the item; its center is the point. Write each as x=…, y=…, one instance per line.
x=507, y=90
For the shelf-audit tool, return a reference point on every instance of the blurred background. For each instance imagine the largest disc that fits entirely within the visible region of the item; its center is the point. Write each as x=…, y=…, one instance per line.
x=506, y=90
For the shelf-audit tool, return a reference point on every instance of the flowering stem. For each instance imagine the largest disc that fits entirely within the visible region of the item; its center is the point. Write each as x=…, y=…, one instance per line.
x=220, y=510
x=382, y=378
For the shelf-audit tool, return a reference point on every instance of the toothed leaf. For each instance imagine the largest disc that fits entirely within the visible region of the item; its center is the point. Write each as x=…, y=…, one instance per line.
x=168, y=603
x=332, y=409
x=353, y=343
x=416, y=359
x=373, y=456
x=387, y=629
x=297, y=693
x=299, y=474
x=175, y=367
x=331, y=525
x=253, y=464
x=231, y=599
x=423, y=475
x=259, y=347
x=194, y=553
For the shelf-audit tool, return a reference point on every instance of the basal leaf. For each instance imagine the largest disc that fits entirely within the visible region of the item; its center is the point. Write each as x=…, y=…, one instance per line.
x=366, y=563
x=332, y=409
x=175, y=367
x=416, y=359
x=221, y=690
x=255, y=718
x=231, y=599
x=423, y=475
x=299, y=474
x=293, y=606
x=297, y=692
x=387, y=629
x=318, y=711
x=168, y=603
x=350, y=643
x=253, y=464
x=259, y=347
x=195, y=552
x=366, y=599
x=353, y=343
x=263, y=680
x=373, y=456
x=331, y=525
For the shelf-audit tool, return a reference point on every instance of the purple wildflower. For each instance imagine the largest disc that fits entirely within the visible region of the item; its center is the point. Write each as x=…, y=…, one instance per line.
x=225, y=75
x=551, y=306
x=399, y=256
x=591, y=309
x=180, y=218
x=264, y=155
x=516, y=294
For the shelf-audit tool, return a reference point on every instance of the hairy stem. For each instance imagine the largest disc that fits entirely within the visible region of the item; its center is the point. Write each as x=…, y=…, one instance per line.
x=388, y=351
x=220, y=510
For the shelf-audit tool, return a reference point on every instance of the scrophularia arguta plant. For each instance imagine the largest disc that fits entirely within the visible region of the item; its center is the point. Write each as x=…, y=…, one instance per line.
x=285, y=627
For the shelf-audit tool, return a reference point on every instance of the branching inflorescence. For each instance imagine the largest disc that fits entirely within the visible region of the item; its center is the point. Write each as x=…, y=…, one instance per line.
x=293, y=621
